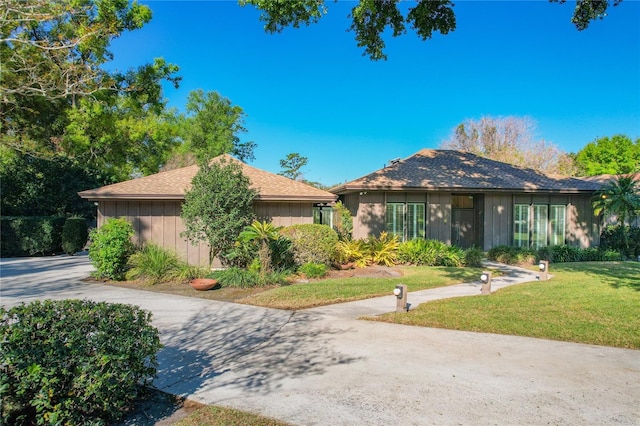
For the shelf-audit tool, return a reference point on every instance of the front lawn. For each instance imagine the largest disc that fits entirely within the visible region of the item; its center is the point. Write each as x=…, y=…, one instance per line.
x=591, y=302
x=330, y=291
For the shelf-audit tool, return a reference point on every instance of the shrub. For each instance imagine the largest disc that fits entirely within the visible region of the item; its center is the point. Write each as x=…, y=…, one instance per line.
x=623, y=239
x=243, y=278
x=349, y=251
x=512, y=255
x=311, y=243
x=153, y=264
x=74, y=235
x=110, y=248
x=343, y=221
x=73, y=361
x=430, y=253
x=473, y=257
x=313, y=270
x=382, y=250
x=30, y=236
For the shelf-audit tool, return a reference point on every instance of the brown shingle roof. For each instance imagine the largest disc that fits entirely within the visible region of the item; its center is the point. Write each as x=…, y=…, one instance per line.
x=461, y=171
x=172, y=185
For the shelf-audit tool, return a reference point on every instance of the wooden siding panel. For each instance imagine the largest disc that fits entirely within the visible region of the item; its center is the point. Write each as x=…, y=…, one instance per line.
x=169, y=237
x=439, y=220
x=370, y=217
x=498, y=220
x=157, y=222
x=583, y=225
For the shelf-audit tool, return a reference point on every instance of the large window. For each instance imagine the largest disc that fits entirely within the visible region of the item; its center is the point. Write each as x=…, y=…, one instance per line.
x=406, y=220
x=538, y=225
x=323, y=215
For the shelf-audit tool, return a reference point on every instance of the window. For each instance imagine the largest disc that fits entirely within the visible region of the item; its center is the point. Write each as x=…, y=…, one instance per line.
x=323, y=215
x=462, y=201
x=406, y=220
x=395, y=219
x=521, y=225
x=539, y=225
x=557, y=220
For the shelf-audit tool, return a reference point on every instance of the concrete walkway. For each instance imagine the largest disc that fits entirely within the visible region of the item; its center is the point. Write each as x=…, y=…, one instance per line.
x=322, y=366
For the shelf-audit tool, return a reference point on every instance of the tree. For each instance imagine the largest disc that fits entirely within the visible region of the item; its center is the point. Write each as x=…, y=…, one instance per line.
x=620, y=197
x=615, y=155
x=372, y=18
x=211, y=128
x=218, y=206
x=507, y=139
x=292, y=164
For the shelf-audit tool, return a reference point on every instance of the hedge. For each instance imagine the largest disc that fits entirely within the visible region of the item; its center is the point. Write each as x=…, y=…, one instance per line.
x=31, y=235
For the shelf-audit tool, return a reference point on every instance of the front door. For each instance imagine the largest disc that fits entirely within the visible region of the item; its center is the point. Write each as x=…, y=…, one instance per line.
x=462, y=232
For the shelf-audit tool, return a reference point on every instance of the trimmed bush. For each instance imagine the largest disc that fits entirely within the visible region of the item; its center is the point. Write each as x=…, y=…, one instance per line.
x=314, y=270
x=512, y=255
x=74, y=362
x=110, y=248
x=243, y=278
x=31, y=236
x=623, y=239
x=473, y=257
x=74, y=235
x=153, y=264
x=311, y=243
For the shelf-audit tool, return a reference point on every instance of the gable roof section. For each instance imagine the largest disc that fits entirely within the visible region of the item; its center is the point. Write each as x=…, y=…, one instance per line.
x=462, y=171
x=172, y=185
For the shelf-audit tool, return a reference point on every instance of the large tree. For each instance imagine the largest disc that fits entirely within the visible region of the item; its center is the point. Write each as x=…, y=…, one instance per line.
x=292, y=164
x=615, y=155
x=372, y=18
x=510, y=140
x=212, y=126
x=218, y=206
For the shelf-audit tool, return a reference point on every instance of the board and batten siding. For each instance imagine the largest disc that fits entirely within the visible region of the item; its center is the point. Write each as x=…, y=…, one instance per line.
x=498, y=220
x=159, y=221
x=369, y=219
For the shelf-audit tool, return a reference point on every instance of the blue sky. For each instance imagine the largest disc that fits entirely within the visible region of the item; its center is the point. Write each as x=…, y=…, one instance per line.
x=310, y=90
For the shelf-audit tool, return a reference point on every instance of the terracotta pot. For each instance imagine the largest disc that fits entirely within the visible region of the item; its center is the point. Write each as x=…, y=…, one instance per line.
x=203, y=284
x=347, y=266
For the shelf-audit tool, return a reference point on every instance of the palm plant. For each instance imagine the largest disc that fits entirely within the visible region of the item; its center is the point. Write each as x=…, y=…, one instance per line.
x=620, y=197
x=261, y=233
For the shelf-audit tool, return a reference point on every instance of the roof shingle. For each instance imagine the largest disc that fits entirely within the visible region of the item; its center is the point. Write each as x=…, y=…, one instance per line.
x=461, y=171
x=172, y=185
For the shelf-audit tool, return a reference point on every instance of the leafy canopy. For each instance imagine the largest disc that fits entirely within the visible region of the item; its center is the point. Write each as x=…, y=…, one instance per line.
x=615, y=155
x=620, y=197
x=292, y=164
x=372, y=18
x=218, y=206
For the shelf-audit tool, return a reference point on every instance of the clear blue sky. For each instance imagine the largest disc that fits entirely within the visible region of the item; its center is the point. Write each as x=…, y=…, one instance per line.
x=310, y=90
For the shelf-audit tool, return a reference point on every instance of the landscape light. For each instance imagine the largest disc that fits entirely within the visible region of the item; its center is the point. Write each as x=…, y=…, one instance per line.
x=398, y=292
x=484, y=278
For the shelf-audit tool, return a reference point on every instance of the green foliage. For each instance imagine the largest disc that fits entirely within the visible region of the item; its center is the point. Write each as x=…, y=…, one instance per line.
x=111, y=247
x=314, y=270
x=620, y=198
x=343, y=223
x=74, y=362
x=512, y=255
x=349, y=251
x=153, y=264
x=430, y=253
x=381, y=250
x=473, y=257
x=292, y=164
x=243, y=278
x=622, y=239
x=29, y=236
x=218, y=206
x=261, y=233
x=211, y=128
x=614, y=156
x=74, y=235
x=32, y=186
x=311, y=243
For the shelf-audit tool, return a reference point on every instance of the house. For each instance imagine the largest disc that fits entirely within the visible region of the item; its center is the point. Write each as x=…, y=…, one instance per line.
x=153, y=205
x=466, y=200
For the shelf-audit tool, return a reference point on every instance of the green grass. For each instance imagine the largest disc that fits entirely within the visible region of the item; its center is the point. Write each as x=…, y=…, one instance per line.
x=325, y=292
x=590, y=302
x=219, y=416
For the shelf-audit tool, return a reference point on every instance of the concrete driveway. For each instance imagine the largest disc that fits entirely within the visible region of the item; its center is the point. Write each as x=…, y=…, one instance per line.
x=323, y=367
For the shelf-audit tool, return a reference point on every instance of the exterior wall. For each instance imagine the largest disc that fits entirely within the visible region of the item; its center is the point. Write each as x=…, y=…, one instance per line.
x=284, y=214
x=495, y=215
x=498, y=220
x=159, y=222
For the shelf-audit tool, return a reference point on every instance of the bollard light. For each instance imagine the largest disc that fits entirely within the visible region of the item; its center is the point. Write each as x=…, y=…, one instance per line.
x=486, y=282
x=484, y=278
x=398, y=291
x=542, y=266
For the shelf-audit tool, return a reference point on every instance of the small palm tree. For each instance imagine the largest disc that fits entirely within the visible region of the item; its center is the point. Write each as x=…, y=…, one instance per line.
x=620, y=197
x=261, y=233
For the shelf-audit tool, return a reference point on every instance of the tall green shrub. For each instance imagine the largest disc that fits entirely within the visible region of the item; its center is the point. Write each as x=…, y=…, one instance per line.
x=111, y=247
x=73, y=362
x=153, y=264
x=74, y=235
x=311, y=243
x=31, y=236
x=343, y=221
